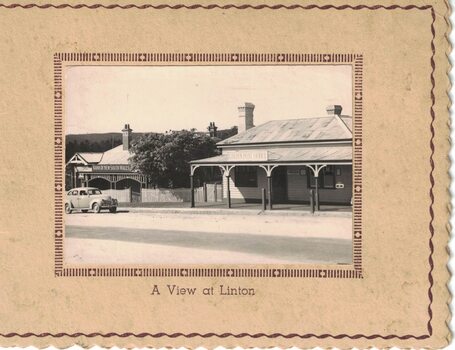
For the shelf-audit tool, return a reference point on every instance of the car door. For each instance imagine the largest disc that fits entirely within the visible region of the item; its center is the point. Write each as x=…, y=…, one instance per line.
x=83, y=199
x=73, y=198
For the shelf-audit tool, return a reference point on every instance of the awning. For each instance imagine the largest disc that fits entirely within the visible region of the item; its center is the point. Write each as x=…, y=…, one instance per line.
x=288, y=155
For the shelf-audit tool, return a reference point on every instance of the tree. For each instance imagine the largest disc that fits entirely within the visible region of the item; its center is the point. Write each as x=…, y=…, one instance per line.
x=165, y=158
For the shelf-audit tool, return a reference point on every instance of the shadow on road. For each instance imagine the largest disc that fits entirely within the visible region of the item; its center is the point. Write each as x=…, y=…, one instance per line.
x=100, y=213
x=293, y=249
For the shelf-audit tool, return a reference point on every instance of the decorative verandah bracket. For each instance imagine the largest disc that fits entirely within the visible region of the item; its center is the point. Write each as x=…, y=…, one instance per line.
x=226, y=169
x=268, y=169
x=193, y=169
x=316, y=168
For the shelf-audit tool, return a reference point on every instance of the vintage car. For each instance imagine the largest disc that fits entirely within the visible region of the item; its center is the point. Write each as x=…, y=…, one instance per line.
x=89, y=198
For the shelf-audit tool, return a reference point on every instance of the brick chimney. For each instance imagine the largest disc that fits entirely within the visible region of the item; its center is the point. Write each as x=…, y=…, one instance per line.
x=212, y=128
x=246, y=117
x=334, y=110
x=126, y=137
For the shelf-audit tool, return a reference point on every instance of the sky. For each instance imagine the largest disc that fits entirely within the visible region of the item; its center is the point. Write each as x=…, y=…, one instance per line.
x=102, y=99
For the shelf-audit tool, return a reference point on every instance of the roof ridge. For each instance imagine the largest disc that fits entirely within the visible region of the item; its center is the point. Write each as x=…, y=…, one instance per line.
x=344, y=125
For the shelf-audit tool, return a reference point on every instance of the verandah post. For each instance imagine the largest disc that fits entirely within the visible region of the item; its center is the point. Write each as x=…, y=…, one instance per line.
x=316, y=192
x=264, y=199
x=312, y=201
x=192, y=191
x=228, y=191
x=269, y=190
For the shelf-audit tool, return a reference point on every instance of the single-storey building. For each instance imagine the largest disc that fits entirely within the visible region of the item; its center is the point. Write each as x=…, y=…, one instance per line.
x=288, y=158
x=106, y=170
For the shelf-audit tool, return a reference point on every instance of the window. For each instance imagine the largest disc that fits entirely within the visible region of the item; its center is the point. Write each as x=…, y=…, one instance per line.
x=74, y=193
x=82, y=193
x=94, y=192
x=326, y=178
x=246, y=176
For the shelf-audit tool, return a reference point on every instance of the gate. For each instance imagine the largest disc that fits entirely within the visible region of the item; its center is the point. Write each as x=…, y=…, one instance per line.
x=135, y=197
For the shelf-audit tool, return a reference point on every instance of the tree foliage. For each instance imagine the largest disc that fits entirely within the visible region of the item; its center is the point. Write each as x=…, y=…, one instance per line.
x=165, y=158
x=77, y=143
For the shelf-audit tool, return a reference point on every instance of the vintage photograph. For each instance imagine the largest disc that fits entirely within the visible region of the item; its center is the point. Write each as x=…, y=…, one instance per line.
x=212, y=164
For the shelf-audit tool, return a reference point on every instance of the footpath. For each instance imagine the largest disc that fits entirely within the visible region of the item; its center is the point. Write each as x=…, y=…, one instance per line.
x=234, y=211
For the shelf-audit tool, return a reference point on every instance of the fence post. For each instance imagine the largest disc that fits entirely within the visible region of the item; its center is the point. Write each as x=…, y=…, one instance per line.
x=312, y=201
x=215, y=195
x=264, y=199
x=204, y=191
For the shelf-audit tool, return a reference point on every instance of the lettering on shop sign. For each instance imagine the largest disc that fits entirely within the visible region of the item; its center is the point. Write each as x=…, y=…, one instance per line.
x=247, y=155
x=108, y=167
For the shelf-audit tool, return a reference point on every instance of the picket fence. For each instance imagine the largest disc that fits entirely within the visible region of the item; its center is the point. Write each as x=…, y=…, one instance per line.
x=123, y=196
x=153, y=195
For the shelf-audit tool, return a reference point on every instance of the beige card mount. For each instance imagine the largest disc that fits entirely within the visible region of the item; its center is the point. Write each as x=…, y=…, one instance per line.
x=224, y=174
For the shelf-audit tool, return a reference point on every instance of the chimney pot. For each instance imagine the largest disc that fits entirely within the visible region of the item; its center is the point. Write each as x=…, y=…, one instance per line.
x=334, y=110
x=212, y=129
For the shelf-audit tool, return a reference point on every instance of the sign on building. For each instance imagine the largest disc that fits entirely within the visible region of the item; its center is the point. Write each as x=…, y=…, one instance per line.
x=248, y=156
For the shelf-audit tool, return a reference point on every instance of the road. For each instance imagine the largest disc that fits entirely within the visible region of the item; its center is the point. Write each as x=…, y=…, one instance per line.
x=141, y=237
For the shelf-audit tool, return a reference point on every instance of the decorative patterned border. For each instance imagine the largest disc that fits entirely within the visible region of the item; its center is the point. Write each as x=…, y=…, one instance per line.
x=58, y=233
x=214, y=6
x=356, y=60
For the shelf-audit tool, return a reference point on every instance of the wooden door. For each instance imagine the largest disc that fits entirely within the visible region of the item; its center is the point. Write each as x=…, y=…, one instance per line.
x=279, y=185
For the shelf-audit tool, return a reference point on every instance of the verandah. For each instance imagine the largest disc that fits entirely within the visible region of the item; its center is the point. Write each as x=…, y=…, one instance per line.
x=226, y=168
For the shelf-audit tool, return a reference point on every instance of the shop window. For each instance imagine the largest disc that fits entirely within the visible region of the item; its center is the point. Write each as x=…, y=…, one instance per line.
x=326, y=178
x=246, y=176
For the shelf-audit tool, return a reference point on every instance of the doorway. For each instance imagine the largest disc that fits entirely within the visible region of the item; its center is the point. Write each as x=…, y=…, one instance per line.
x=279, y=185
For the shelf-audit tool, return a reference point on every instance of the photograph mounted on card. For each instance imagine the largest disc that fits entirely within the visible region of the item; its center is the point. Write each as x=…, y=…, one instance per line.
x=168, y=159
x=232, y=178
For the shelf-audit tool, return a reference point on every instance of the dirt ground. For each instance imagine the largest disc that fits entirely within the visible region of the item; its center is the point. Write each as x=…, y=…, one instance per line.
x=141, y=237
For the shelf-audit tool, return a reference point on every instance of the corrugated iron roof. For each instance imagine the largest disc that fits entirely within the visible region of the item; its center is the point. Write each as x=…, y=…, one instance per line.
x=290, y=154
x=116, y=155
x=304, y=129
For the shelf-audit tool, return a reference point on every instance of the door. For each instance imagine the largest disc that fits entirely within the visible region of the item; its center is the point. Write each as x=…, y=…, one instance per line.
x=279, y=185
x=83, y=199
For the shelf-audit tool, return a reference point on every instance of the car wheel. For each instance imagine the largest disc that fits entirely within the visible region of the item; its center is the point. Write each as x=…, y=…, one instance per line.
x=96, y=208
x=112, y=210
x=67, y=208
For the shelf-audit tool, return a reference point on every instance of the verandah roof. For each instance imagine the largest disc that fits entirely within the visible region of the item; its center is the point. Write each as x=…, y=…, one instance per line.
x=287, y=155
